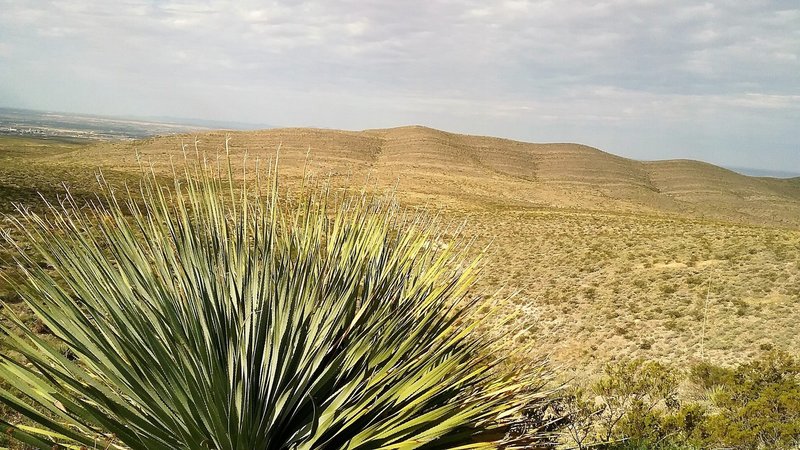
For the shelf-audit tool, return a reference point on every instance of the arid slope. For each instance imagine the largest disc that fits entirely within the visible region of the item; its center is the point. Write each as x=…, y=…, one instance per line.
x=675, y=260
x=465, y=172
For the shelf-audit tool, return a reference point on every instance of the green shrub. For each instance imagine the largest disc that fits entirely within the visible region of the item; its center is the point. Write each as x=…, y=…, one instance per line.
x=627, y=408
x=709, y=376
x=208, y=316
x=758, y=405
x=633, y=395
x=753, y=406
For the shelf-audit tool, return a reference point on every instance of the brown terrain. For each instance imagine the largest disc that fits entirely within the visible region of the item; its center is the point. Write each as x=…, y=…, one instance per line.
x=481, y=172
x=600, y=256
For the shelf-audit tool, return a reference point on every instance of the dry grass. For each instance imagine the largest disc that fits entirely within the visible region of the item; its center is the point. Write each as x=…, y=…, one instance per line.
x=595, y=287
x=602, y=269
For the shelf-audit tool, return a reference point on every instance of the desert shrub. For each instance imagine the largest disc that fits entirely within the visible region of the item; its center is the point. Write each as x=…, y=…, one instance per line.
x=709, y=376
x=579, y=411
x=668, y=288
x=629, y=407
x=633, y=394
x=750, y=407
x=757, y=404
x=205, y=315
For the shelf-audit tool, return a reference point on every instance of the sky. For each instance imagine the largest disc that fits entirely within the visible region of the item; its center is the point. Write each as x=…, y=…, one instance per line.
x=647, y=79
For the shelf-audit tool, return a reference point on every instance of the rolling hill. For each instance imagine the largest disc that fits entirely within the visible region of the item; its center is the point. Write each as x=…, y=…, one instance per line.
x=607, y=257
x=466, y=172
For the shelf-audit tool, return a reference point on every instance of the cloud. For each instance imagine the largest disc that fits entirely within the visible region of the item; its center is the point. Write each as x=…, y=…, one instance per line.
x=568, y=64
x=6, y=50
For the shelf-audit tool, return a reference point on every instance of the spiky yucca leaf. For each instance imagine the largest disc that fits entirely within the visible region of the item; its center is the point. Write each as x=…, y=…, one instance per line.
x=207, y=316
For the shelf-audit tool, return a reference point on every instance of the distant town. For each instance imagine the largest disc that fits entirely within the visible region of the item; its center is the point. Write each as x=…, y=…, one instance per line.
x=20, y=122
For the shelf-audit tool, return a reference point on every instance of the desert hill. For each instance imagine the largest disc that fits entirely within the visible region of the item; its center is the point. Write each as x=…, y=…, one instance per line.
x=675, y=261
x=461, y=171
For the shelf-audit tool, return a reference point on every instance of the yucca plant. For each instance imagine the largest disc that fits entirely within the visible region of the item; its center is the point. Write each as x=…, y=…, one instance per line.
x=215, y=315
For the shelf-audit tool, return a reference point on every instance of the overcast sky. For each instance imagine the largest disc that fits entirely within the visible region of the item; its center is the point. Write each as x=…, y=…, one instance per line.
x=648, y=79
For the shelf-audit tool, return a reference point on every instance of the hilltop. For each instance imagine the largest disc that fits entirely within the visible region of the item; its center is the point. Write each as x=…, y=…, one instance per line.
x=468, y=172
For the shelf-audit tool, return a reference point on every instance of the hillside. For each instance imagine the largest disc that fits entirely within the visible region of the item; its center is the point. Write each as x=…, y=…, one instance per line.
x=465, y=172
x=605, y=257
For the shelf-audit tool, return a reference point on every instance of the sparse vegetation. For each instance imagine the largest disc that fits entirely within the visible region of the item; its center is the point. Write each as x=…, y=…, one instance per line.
x=205, y=316
x=594, y=290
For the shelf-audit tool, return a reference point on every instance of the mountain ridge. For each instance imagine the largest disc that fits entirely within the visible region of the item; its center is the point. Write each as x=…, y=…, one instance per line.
x=463, y=171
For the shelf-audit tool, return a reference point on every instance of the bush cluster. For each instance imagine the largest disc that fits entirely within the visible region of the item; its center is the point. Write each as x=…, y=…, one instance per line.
x=635, y=405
